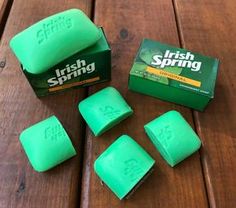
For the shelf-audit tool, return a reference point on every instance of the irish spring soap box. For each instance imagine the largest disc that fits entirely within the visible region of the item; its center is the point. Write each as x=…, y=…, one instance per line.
x=174, y=74
x=62, y=51
x=87, y=67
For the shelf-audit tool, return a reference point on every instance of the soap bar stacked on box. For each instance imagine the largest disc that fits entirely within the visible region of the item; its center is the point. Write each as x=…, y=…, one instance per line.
x=63, y=51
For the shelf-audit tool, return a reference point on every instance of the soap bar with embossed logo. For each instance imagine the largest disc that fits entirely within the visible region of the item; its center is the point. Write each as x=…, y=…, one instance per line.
x=173, y=137
x=104, y=109
x=53, y=39
x=46, y=144
x=123, y=166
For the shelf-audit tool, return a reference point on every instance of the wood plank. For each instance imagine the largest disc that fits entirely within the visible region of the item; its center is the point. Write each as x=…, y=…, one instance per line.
x=4, y=10
x=20, y=185
x=3, y=5
x=126, y=23
x=209, y=28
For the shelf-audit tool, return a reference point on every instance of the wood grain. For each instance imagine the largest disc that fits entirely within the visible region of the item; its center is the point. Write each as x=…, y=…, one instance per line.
x=20, y=185
x=126, y=23
x=208, y=27
x=3, y=5
x=4, y=10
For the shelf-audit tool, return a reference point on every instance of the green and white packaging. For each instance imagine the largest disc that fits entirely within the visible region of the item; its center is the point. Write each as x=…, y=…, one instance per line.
x=62, y=51
x=174, y=74
x=87, y=67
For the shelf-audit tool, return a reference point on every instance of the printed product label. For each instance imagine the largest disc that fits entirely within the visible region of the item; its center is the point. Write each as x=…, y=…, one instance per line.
x=175, y=67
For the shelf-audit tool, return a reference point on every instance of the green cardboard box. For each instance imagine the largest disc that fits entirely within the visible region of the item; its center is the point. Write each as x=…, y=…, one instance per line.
x=174, y=74
x=87, y=67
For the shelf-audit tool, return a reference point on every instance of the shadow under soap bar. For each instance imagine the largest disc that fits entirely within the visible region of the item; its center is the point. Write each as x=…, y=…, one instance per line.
x=53, y=39
x=123, y=166
x=173, y=137
x=104, y=109
x=46, y=144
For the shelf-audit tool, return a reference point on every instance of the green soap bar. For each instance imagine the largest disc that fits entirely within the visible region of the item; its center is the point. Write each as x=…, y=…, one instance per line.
x=54, y=39
x=46, y=144
x=123, y=165
x=173, y=137
x=104, y=109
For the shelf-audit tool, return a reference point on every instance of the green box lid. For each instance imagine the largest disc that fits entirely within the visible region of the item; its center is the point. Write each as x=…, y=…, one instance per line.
x=123, y=165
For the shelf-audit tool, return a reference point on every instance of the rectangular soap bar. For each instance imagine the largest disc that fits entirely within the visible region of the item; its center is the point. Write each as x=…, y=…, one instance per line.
x=53, y=39
x=174, y=74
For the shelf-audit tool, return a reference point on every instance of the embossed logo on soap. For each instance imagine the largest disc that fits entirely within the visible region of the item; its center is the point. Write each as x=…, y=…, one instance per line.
x=52, y=27
x=165, y=134
x=54, y=133
x=110, y=112
x=133, y=170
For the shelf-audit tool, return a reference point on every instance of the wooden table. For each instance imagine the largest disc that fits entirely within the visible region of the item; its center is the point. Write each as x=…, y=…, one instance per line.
x=206, y=179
